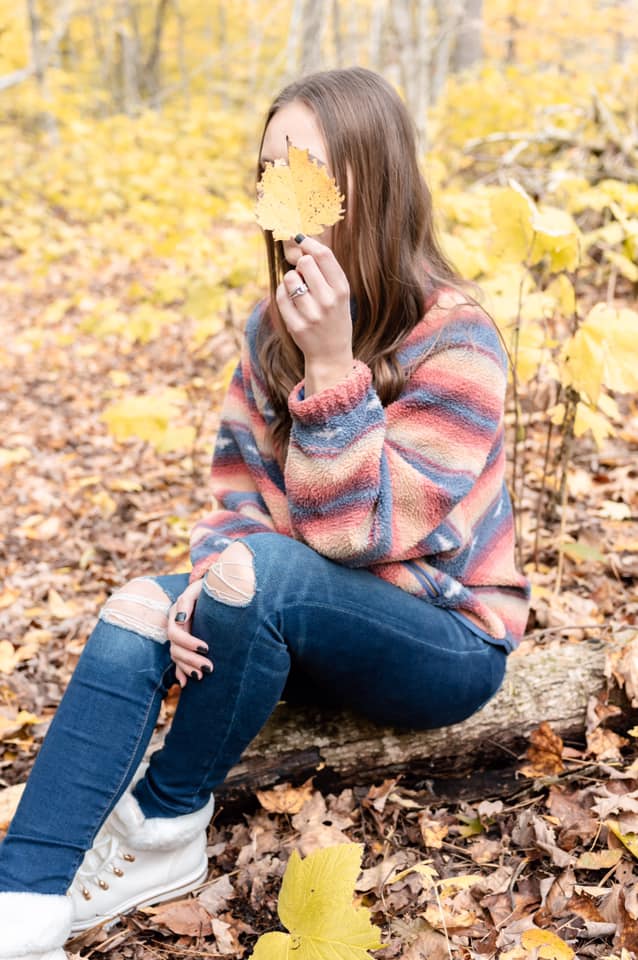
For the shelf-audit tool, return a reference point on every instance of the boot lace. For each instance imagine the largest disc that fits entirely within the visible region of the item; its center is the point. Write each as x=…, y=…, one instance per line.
x=99, y=860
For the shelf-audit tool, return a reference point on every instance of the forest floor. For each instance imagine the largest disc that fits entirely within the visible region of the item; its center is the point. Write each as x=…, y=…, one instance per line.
x=81, y=513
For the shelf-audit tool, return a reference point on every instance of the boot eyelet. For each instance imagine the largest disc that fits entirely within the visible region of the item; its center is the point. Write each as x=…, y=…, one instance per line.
x=129, y=857
x=103, y=884
x=118, y=872
x=86, y=893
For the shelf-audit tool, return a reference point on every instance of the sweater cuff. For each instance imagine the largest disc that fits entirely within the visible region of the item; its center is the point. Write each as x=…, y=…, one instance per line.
x=343, y=397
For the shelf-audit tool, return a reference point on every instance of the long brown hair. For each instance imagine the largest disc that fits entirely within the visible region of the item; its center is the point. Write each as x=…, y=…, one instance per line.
x=386, y=244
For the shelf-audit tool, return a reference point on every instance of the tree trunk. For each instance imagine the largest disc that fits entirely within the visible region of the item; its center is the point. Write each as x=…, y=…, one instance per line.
x=377, y=21
x=411, y=27
x=311, y=32
x=469, y=41
x=550, y=683
x=449, y=15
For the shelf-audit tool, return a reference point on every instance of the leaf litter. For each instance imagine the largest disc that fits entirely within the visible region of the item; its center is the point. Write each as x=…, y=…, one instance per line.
x=81, y=512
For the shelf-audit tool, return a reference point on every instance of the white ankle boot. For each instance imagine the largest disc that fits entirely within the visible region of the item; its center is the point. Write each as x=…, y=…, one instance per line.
x=136, y=861
x=34, y=926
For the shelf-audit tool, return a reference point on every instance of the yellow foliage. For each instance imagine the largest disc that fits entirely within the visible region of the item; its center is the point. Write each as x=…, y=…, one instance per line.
x=602, y=352
x=149, y=417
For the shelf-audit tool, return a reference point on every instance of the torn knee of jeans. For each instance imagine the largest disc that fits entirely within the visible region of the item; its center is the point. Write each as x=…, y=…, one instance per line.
x=141, y=606
x=231, y=578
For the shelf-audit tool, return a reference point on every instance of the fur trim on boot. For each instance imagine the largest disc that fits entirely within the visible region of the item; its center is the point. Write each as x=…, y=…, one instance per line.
x=157, y=833
x=33, y=923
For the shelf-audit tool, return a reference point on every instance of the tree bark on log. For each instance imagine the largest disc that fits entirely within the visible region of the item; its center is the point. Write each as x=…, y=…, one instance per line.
x=544, y=682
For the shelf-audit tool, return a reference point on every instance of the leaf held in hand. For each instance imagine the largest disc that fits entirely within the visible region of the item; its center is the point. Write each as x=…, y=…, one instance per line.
x=315, y=904
x=297, y=197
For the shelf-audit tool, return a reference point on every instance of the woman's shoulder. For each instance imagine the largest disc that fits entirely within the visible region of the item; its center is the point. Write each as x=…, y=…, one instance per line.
x=453, y=320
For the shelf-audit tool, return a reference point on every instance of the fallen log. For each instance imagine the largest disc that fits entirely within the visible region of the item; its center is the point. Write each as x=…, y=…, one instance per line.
x=550, y=682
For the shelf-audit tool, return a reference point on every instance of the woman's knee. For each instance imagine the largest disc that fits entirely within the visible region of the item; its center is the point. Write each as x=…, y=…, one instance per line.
x=244, y=567
x=141, y=608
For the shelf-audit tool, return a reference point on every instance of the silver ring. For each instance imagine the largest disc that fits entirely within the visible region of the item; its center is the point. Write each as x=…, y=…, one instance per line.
x=299, y=291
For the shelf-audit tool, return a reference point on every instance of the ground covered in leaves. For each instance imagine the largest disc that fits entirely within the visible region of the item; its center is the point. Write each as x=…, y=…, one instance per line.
x=84, y=508
x=473, y=878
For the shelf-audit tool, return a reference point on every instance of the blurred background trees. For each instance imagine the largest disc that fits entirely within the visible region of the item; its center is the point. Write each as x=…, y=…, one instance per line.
x=129, y=55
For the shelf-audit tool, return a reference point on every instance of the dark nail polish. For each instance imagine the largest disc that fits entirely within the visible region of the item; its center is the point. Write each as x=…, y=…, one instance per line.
x=194, y=675
x=202, y=649
x=300, y=237
x=207, y=669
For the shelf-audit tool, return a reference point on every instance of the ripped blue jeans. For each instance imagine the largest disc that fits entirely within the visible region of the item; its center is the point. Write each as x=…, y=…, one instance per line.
x=312, y=629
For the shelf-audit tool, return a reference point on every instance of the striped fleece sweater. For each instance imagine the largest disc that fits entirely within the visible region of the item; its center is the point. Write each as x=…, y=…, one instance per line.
x=414, y=492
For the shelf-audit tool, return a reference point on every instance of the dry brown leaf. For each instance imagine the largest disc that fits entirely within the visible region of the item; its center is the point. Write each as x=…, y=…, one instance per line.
x=285, y=798
x=9, y=800
x=215, y=896
x=605, y=744
x=572, y=811
x=483, y=850
x=433, y=831
x=297, y=196
x=623, y=666
x=546, y=840
x=373, y=878
x=226, y=937
x=429, y=944
x=187, y=917
x=10, y=725
x=377, y=797
x=317, y=828
x=544, y=753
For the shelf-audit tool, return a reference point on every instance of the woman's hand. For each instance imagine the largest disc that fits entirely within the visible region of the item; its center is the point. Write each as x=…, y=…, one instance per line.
x=318, y=321
x=186, y=650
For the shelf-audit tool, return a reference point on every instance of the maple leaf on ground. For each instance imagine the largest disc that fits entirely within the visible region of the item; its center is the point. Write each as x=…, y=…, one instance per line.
x=297, y=196
x=315, y=905
x=544, y=753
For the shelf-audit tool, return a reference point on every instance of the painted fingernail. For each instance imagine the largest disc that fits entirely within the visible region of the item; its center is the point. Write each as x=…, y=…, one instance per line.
x=300, y=237
x=202, y=650
x=206, y=668
x=194, y=675
x=180, y=617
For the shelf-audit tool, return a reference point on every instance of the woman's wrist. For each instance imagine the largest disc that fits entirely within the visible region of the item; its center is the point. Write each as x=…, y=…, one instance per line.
x=320, y=375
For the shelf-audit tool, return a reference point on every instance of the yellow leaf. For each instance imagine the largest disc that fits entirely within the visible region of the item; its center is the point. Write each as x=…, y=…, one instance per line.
x=548, y=945
x=424, y=870
x=557, y=236
x=297, y=197
x=629, y=840
x=450, y=885
x=149, y=416
x=61, y=609
x=623, y=264
x=589, y=419
x=315, y=905
x=562, y=290
x=598, y=859
x=584, y=361
x=11, y=725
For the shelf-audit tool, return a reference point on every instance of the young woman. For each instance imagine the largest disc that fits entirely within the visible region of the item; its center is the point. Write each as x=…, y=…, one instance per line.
x=361, y=542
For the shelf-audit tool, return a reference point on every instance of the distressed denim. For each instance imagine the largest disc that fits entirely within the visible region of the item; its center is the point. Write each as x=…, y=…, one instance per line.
x=313, y=629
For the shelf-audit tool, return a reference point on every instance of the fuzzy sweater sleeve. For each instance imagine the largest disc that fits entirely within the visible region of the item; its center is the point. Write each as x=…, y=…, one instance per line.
x=238, y=507
x=368, y=484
